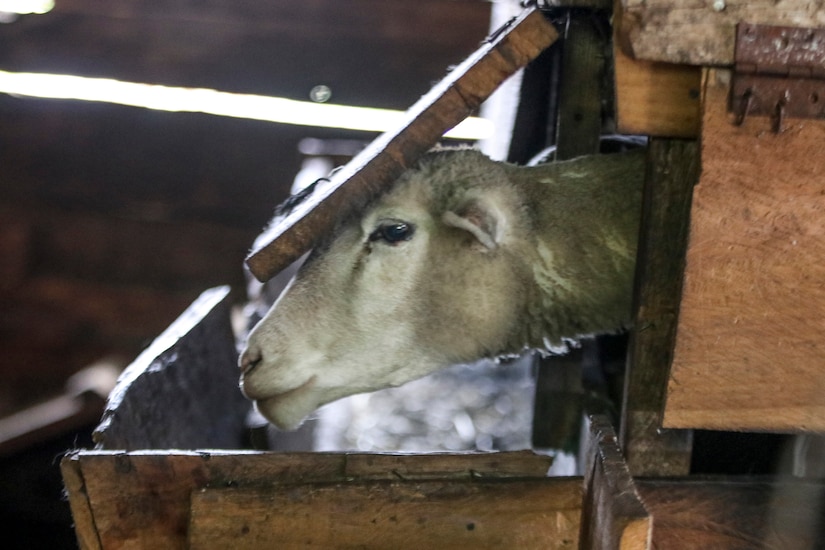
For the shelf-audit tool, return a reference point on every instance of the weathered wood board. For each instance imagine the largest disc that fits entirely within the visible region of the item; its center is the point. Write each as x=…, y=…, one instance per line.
x=672, y=171
x=702, y=32
x=613, y=515
x=537, y=513
x=454, y=98
x=653, y=98
x=750, y=353
x=142, y=499
x=735, y=513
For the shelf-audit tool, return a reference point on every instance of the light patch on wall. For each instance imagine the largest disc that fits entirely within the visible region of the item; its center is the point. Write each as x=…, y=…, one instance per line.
x=25, y=7
x=201, y=100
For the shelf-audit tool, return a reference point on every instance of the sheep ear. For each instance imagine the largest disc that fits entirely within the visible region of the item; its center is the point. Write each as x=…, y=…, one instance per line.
x=479, y=220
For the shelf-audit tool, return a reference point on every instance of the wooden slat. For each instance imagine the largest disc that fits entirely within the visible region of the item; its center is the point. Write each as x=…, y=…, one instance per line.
x=734, y=514
x=141, y=499
x=672, y=171
x=653, y=98
x=84, y=522
x=449, y=102
x=749, y=347
x=429, y=466
x=703, y=32
x=580, y=87
x=425, y=514
x=614, y=516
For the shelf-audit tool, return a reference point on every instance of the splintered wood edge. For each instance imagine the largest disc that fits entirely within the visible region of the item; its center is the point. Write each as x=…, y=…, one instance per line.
x=458, y=95
x=615, y=507
x=85, y=530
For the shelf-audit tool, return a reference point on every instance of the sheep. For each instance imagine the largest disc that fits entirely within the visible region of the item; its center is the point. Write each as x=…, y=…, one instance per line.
x=463, y=258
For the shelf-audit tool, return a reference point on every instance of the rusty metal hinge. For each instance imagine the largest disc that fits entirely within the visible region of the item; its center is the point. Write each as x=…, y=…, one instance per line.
x=779, y=72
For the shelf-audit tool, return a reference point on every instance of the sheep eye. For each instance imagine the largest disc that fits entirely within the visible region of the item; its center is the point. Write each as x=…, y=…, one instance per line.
x=393, y=232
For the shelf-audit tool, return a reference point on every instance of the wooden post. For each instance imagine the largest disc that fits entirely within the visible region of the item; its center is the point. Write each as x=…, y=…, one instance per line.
x=559, y=392
x=672, y=170
x=613, y=516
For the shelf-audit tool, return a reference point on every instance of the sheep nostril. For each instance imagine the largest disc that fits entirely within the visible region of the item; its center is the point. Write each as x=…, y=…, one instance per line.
x=249, y=361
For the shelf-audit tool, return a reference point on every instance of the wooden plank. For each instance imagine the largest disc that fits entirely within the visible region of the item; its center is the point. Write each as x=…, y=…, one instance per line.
x=141, y=499
x=672, y=171
x=702, y=32
x=84, y=522
x=580, y=90
x=539, y=513
x=449, y=102
x=182, y=391
x=734, y=514
x=428, y=466
x=559, y=400
x=614, y=516
x=654, y=98
x=749, y=344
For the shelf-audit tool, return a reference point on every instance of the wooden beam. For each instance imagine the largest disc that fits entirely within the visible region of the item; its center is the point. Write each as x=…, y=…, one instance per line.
x=381, y=53
x=749, y=348
x=453, y=99
x=703, y=33
x=672, y=171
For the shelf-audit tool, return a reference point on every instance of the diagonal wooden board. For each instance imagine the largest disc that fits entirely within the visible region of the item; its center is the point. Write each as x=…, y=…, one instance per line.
x=458, y=95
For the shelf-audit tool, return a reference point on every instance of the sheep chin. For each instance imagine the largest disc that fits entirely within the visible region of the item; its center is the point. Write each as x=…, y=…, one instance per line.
x=288, y=410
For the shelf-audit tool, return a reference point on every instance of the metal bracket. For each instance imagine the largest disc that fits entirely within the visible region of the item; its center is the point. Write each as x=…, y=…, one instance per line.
x=779, y=72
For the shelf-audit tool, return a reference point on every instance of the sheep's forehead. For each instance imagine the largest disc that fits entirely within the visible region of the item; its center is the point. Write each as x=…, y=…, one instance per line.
x=441, y=176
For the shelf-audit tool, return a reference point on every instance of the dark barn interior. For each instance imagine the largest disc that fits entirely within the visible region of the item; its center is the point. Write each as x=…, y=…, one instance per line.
x=114, y=218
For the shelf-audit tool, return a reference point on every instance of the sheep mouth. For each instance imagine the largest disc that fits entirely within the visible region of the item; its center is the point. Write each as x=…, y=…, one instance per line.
x=287, y=409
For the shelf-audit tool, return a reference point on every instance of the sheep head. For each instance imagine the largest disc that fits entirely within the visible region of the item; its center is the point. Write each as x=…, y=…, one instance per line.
x=423, y=279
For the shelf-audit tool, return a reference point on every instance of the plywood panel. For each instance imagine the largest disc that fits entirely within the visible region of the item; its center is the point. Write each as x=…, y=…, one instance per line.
x=700, y=32
x=749, y=349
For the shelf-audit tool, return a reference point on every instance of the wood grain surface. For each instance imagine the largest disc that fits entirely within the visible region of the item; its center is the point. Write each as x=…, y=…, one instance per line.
x=142, y=499
x=749, y=351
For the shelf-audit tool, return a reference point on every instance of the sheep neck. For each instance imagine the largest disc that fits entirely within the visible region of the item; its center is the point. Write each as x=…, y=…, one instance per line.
x=585, y=216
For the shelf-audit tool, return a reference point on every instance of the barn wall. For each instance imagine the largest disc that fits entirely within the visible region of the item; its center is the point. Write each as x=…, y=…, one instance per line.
x=113, y=219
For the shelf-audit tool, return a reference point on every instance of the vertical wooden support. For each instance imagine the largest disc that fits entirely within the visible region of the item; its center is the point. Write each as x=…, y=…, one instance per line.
x=559, y=392
x=672, y=170
x=84, y=521
x=580, y=95
x=613, y=517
